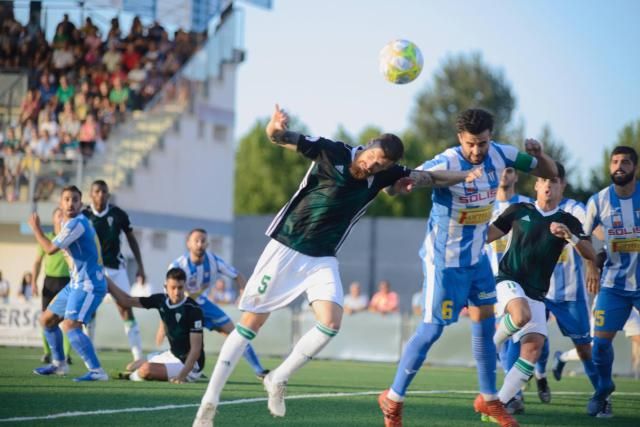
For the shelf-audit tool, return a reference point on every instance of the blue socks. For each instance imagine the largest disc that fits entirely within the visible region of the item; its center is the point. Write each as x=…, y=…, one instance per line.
x=54, y=339
x=603, y=361
x=415, y=353
x=592, y=372
x=251, y=357
x=83, y=346
x=484, y=352
x=541, y=364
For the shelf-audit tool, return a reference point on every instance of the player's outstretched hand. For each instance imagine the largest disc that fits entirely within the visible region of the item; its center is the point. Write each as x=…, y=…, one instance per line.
x=34, y=221
x=593, y=278
x=533, y=147
x=403, y=185
x=560, y=230
x=177, y=380
x=474, y=174
x=279, y=122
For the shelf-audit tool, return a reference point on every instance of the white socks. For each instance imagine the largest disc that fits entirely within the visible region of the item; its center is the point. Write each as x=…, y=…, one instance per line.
x=570, y=356
x=506, y=328
x=517, y=376
x=309, y=345
x=230, y=353
x=132, y=330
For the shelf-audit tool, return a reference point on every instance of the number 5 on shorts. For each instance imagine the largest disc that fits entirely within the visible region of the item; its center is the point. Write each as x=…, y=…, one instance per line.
x=599, y=317
x=264, y=283
x=447, y=309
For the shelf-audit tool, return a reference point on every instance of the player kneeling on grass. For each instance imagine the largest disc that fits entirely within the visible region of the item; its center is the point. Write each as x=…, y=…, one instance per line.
x=182, y=319
x=539, y=233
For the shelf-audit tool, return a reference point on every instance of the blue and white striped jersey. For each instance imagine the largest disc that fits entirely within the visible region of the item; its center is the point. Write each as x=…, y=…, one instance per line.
x=457, y=226
x=201, y=276
x=620, y=219
x=80, y=243
x=567, y=282
x=498, y=247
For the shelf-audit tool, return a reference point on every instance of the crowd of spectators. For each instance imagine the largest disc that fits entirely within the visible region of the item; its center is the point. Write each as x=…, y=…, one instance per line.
x=80, y=85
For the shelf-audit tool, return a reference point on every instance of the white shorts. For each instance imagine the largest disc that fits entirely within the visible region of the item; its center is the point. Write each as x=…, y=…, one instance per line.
x=174, y=365
x=283, y=274
x=119, y=277
x=508, y=290
x=632, y=327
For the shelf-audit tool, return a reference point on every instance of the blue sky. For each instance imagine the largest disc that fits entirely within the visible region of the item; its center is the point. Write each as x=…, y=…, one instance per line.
x=573, y=64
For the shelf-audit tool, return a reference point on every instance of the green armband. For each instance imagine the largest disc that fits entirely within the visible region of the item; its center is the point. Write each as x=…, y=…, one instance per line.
x=523, y=162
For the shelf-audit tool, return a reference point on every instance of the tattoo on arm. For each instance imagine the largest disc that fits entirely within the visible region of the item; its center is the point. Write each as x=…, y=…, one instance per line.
x=286, y=137
x=421, y=178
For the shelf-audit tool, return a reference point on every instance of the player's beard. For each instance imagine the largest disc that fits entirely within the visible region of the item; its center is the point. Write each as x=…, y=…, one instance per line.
x=357, y=172
x=621, y=180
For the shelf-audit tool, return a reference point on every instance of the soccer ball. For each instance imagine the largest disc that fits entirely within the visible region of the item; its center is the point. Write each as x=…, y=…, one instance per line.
x=400, y=61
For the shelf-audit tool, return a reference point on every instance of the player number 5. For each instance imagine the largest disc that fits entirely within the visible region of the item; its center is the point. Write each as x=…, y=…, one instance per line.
x=264, y=283
x=447, y=309
x=599, y=316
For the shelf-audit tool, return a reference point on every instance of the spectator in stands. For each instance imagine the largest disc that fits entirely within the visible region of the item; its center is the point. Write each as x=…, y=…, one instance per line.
x=11, y=139
x=136, y=79
x=69, y=147
x=384, y=301
x=5, y=289
x=355, y=301
x=119, y=96
x=222, y=294
x=47, y=118
x=30, y=106
x=112, y=58
x=68, y=120
x=65, y=91
x=88, y=136
x=63, y=58
x=24, y=293
x=47, y=90
x=12, y=172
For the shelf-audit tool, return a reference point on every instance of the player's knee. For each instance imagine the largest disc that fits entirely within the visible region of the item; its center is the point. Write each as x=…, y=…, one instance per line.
x=521, y=317
x=584, y=351
x=333, y=324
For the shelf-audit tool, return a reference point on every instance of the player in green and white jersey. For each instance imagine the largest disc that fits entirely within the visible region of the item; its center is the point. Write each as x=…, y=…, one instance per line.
x=305, y=236
x=539, y=233
x=183, y=321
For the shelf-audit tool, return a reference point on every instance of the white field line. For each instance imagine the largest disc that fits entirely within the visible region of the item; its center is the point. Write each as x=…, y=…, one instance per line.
x=264, y=399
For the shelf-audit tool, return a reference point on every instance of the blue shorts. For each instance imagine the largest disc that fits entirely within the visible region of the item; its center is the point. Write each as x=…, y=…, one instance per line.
x=447, y=290
x=613, y=307
x=74, y=303
x=214, y=317
x=572, y=318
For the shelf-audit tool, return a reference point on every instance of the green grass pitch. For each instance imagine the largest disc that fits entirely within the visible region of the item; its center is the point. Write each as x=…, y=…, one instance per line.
x=26, y=395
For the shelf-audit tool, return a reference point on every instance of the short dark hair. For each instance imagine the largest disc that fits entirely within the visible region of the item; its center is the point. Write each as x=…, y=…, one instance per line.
x=196, y=230
x=176, y=273
x=561, y=170
x=391, y=145
x=625, y=149
x=474, y=121
x=73, y=189
x=100, y=182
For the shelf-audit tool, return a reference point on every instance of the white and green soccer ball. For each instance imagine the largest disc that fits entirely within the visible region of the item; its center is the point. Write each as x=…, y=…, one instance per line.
x=400, y=61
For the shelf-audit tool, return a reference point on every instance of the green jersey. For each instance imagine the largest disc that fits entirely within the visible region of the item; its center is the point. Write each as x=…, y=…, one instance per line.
x=329, y=201
x=108, y=224
x=532, y=251
x=55, y=265
x=180, y=320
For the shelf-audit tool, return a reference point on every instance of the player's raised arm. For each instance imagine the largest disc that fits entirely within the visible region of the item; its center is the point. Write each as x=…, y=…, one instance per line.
x=546, y=167
x=440, y=178
x=278, y=130
x=46, y=244
x=122, y=298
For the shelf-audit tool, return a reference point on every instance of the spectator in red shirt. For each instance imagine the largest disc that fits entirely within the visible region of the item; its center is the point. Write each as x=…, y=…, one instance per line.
x=384, y=301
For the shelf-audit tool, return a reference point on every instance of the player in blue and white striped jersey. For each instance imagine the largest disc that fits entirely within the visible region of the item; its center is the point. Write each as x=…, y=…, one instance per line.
x=617, y=209
x=455, y=264
x=202, y=268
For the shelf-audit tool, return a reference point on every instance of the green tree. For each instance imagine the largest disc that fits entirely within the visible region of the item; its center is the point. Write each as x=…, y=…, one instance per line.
x=266, y=175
